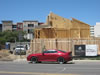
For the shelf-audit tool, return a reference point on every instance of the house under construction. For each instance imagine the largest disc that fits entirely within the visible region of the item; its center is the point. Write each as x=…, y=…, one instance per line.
x=59, y=27
x=63, y=34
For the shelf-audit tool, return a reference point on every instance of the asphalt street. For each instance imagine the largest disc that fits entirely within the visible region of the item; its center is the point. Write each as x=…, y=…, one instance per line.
x=45, y=68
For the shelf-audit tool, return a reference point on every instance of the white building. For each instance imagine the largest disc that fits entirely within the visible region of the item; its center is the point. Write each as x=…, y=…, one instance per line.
x=97, y=29
x=92, y=31
x=28, y=27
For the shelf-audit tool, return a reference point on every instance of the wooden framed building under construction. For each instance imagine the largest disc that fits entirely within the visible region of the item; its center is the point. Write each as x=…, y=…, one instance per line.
x=63, y=34
x=59, y=27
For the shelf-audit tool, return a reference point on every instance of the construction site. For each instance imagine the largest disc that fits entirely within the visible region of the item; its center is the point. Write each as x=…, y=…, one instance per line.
x=61, y=33
x=59, y=27
x=58, y=33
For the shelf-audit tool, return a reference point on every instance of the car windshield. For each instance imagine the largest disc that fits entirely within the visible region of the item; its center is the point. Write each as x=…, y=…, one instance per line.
x=20, y=47
x=62, y=51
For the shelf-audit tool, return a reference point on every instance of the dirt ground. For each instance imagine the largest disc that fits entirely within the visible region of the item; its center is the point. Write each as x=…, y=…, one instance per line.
x=5, y=55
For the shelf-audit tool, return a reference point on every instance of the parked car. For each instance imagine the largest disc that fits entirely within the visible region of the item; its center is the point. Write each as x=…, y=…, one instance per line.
x=51, y=55
x=20, y=50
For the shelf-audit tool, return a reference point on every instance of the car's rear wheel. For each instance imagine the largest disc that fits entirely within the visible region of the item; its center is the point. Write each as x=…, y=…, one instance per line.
x=34, y=60
x=61, y=60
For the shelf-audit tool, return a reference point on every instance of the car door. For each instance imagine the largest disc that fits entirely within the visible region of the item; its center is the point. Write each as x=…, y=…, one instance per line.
x=44, y=56
x=50, y=55
x=53, y=55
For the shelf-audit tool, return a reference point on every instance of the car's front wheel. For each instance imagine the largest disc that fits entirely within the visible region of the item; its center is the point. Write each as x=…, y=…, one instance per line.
x=61, y=60
x=34, y=60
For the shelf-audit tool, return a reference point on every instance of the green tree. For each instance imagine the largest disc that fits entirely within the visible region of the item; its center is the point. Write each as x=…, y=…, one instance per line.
x=10, y=36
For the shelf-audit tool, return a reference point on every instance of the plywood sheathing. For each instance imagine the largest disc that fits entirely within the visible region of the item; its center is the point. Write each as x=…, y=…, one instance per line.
x=37, y=45
x=63, y=28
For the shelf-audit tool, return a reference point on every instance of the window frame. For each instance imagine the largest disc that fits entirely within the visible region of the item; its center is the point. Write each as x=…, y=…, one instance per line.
x=50, y=51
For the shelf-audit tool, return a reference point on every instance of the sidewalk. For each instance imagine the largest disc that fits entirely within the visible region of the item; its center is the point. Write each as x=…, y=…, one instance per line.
x=86, y=60
x=20, y=60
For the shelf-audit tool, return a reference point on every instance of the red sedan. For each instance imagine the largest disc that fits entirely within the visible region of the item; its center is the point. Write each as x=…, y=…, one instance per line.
x=51, y=55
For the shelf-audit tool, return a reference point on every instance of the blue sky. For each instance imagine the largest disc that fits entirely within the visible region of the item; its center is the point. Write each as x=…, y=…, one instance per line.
x=87, y=11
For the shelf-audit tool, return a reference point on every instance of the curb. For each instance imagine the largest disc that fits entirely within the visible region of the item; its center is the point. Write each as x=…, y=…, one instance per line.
x=25, y=60
x=86, y=60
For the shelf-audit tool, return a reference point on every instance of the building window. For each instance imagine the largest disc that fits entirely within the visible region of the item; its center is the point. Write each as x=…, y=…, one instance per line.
x=92, y=28
x=30, y=30
x=91, y=31
x=14, y=26
x=30, y=25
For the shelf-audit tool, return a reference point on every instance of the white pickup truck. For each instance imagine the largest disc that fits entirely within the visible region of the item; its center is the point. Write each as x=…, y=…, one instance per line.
x=20, y=50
